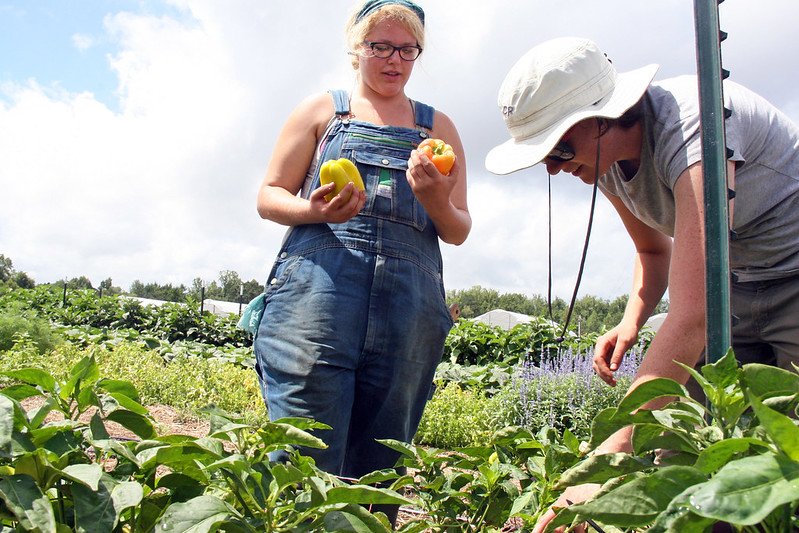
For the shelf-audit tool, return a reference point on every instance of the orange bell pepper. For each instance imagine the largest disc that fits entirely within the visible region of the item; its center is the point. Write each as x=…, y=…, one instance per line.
x=341, y=172
x=439, y=152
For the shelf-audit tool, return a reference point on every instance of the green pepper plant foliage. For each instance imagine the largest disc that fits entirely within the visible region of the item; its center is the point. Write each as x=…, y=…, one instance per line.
x=735, y=462
x=70, y=474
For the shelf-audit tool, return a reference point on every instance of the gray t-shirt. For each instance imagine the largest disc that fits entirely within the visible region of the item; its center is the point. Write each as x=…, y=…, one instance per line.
x=765, y=144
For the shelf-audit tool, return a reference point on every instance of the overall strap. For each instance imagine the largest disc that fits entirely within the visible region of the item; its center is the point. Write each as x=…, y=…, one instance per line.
x=341, y=100
x=424, y=115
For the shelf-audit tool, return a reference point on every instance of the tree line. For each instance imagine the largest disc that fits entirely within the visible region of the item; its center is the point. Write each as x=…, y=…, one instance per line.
x=228, y=287
x=590, y=314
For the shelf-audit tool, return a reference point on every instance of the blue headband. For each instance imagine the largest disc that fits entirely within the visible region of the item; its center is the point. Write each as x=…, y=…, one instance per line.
x=373, y=5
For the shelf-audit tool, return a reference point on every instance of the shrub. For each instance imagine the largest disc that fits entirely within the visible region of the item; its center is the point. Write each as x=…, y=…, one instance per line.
x=17, y=322
x=457, y=417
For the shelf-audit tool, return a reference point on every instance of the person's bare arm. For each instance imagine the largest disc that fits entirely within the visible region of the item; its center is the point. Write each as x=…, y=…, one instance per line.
x=285, y=174
x=443, y=197
x=681, y=337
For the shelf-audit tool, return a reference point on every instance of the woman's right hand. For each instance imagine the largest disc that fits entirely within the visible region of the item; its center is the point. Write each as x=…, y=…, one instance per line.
x=340, y=208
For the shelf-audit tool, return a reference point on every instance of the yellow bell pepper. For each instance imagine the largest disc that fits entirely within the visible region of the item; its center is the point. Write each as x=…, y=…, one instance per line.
x=341, y=172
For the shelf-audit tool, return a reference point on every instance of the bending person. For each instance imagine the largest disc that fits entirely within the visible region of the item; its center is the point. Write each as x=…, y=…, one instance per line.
x=566, y=106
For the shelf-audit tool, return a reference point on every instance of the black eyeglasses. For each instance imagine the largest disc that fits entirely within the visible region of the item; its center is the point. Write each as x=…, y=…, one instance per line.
x=385, y=50
x=563, y=151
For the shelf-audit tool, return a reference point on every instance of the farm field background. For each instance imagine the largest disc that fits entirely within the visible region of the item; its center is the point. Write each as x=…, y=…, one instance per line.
x=513, y=417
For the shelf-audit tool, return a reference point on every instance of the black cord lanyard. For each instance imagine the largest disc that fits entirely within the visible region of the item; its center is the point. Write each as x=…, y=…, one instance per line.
x=562, y=336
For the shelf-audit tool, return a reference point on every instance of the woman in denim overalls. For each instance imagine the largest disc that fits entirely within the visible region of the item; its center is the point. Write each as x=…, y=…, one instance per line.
x=355, y=319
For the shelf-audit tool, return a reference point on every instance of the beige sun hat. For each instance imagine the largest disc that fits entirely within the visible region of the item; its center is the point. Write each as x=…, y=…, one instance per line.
x=551, y=88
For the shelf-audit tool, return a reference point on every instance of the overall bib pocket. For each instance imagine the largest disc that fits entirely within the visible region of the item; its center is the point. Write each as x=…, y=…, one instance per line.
x=389, y=196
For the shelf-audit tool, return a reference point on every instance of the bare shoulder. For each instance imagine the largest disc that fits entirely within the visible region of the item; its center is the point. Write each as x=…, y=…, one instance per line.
x=444, y=128
x=314, y=111
x=442, y=122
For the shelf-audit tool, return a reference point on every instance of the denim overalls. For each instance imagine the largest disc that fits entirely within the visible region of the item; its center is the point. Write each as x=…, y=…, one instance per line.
x=355, y=318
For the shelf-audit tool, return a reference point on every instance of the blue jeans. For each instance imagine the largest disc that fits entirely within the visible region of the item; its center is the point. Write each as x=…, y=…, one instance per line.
x=355, y=317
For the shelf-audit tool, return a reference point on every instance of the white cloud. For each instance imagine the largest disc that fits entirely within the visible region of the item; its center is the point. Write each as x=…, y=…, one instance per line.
x=82, y=41
x=162, y=187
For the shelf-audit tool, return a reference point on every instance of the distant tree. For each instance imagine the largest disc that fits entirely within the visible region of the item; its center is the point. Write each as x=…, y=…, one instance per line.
x=475, y=301
x=155, y=291
x=251, y=289
x=231, y=285
x=22, y=280
x=107, y=287
x=80, y=283
x=196, y=288
x=6, y=268
x=213, y=291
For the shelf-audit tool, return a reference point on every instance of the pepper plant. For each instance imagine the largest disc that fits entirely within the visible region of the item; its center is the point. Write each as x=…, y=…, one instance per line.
x=66, y=472
x=735, y=461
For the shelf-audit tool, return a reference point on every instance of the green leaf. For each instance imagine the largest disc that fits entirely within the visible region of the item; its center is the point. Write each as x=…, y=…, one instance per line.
x=98, y=511
x=127, y=494
x=33, y=376
x=117, y=386
x=139, y=424
x=37, y=465
x=21, y=391
x=678, y=518
x=286, y=475
x=276, y=434
x=745, y=491
x=27, y=503
x=766, y=381
x=39, y=415
x=600, y=468
x=128, y=403
x=354, y=518
x=608, y=421
x=177, y=455
x=637, y=503
x=720, y=453
x=723, y=372
x=88, y=475
x=571, y=442
x=649, y=390
x=199, y=515
x=379, y=476
x=97, y=428
x=6, y=426
x=363, y=494
x=782, y=430
x=408, y=450
x=85, y=372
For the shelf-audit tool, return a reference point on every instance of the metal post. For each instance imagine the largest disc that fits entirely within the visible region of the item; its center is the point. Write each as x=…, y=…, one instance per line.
x=717, y=269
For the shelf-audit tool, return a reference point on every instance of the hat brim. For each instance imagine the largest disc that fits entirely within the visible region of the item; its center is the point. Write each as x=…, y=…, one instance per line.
x=517, y=154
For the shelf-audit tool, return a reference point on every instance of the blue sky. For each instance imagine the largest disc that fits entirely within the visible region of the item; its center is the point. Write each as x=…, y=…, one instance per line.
x=59, y=43
x=65, y=43
x=134, y=134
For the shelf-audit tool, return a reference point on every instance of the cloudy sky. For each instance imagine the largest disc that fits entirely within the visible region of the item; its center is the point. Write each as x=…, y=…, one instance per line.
x=134, y=133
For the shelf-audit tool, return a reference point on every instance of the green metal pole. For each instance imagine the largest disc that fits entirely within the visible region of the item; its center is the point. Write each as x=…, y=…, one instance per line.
x=717, y=269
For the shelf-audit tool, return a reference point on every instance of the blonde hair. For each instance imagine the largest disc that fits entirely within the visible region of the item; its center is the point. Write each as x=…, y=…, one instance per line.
x=357, y=30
